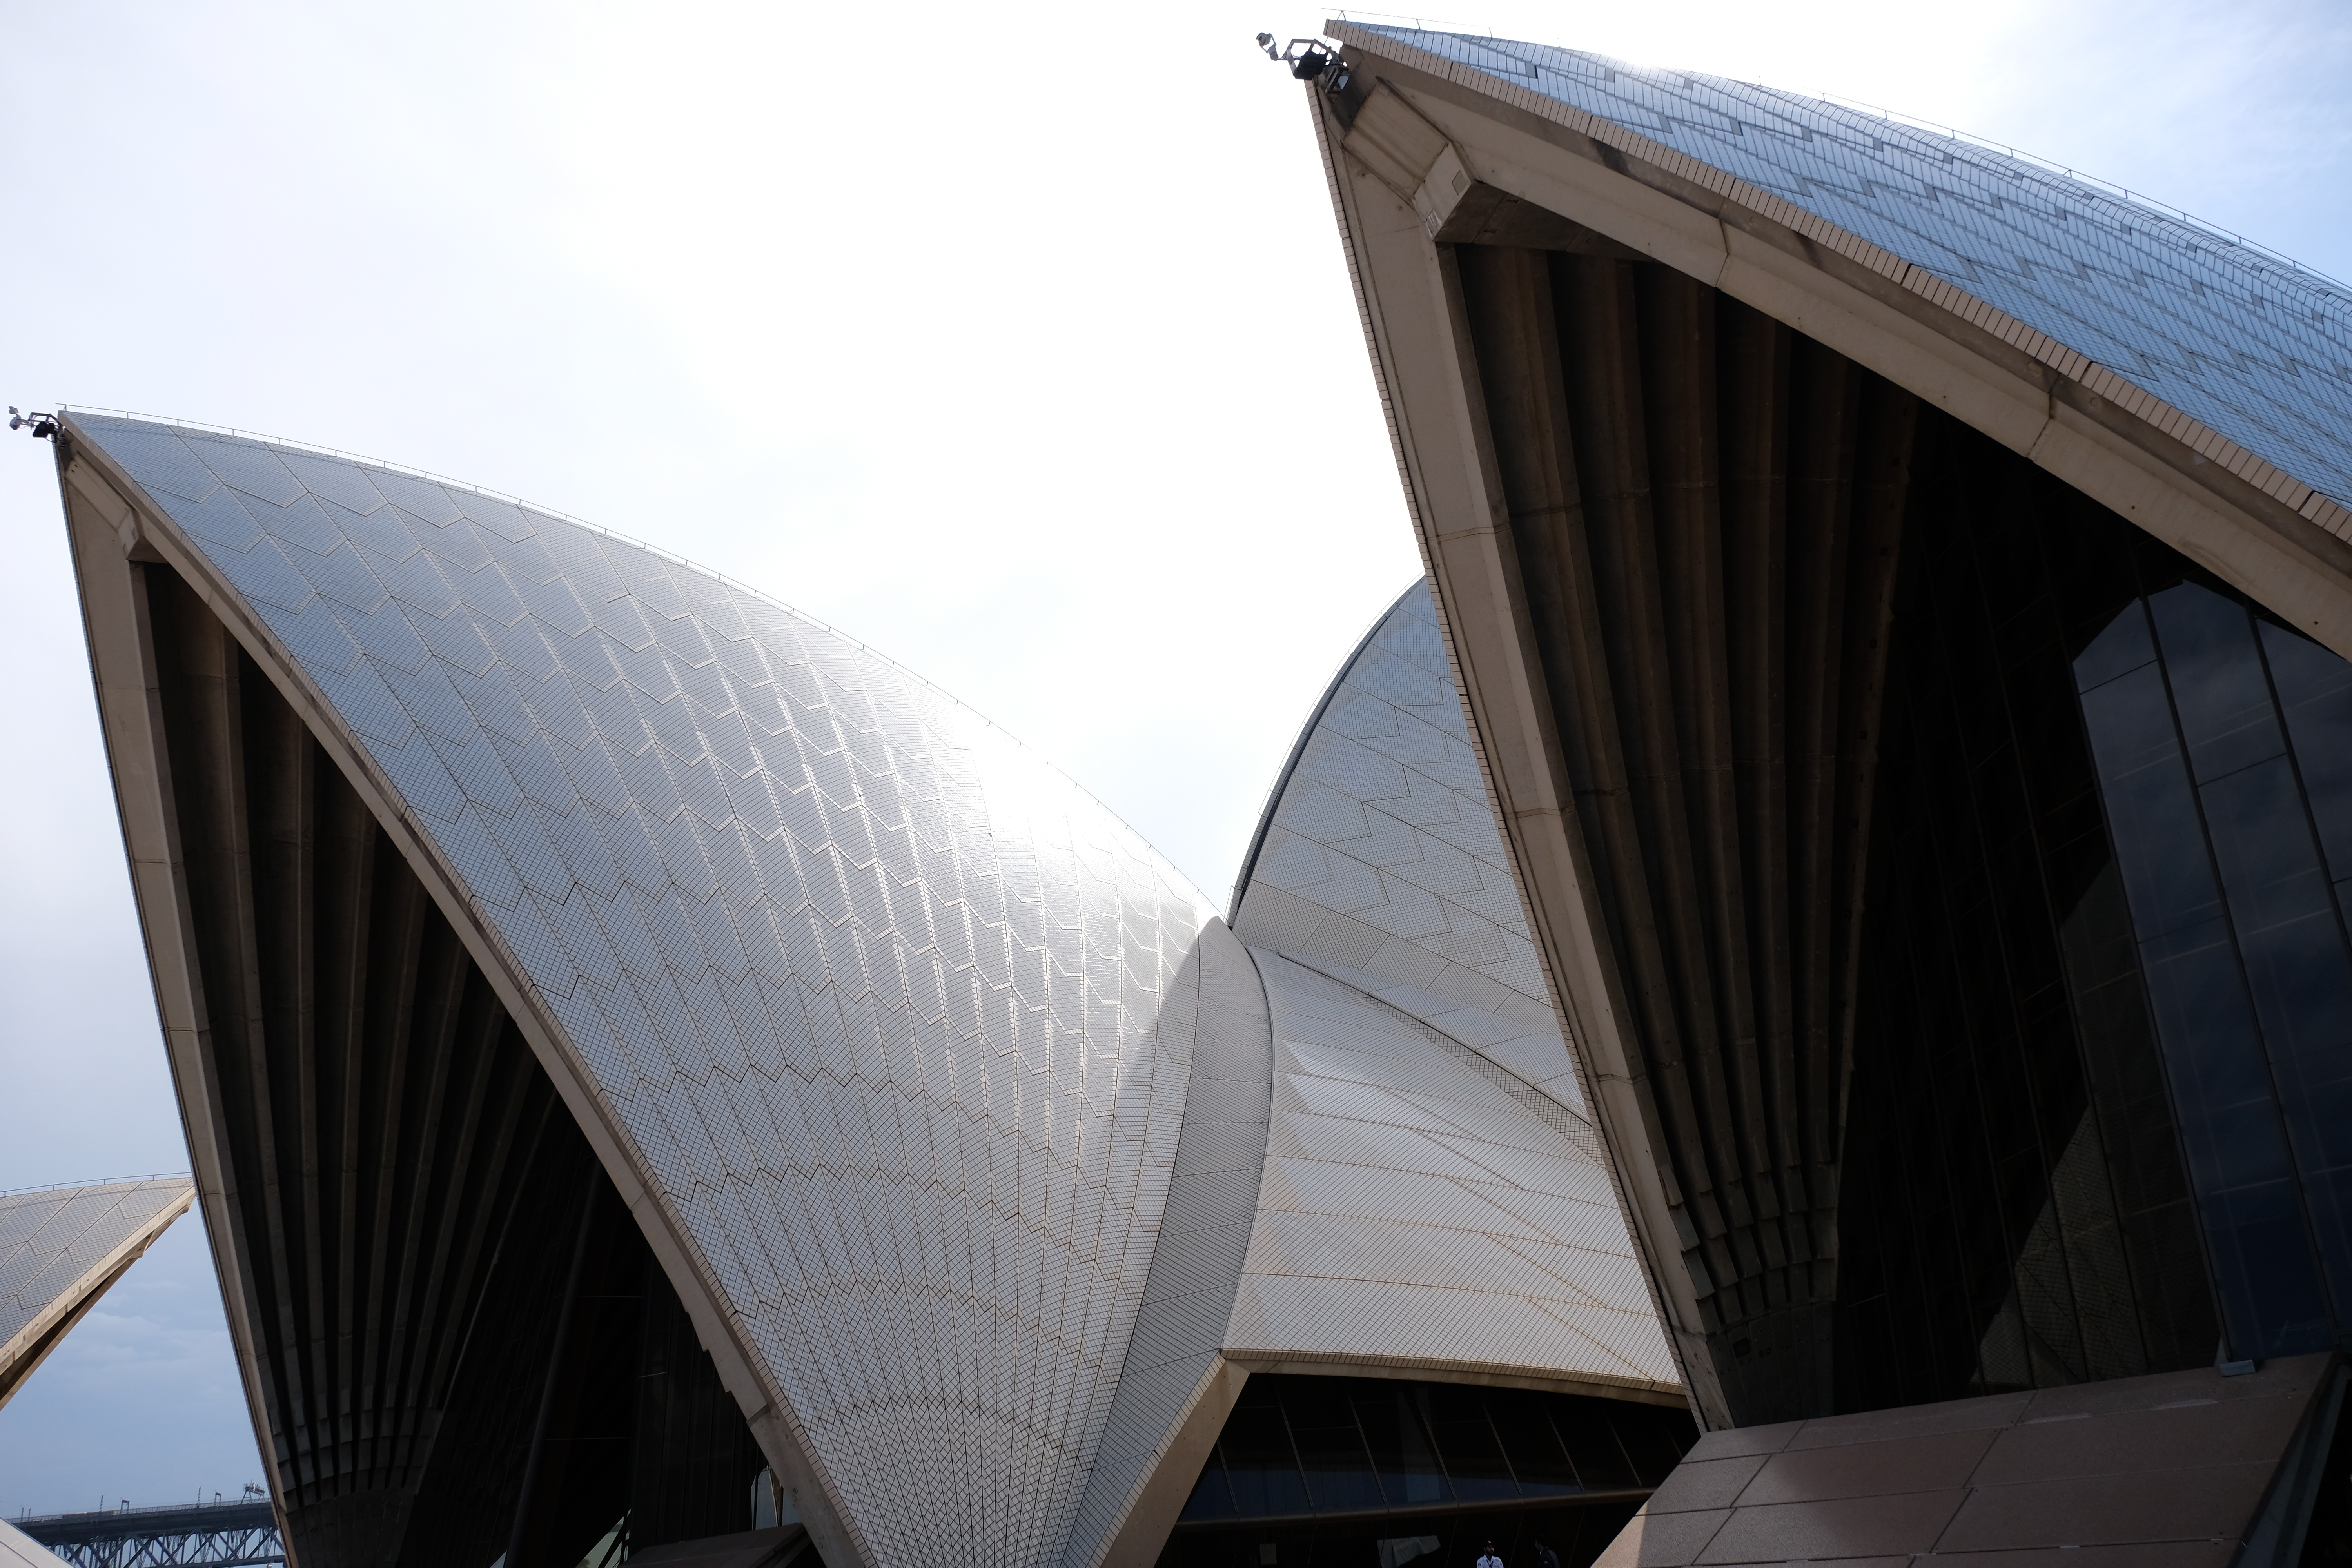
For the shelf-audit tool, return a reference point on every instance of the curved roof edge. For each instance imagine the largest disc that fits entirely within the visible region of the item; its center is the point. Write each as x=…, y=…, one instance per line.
x=19, y=1550
x=1298, y=749
x=532, y=508
x=1175, y=1387
x=1152, y=1375
x=116, y=517
x=1486, y=1375
x=1381, y=863
x=99, y=1231
x=1493, y=1247
x=2080, y=420
x=2328, y=512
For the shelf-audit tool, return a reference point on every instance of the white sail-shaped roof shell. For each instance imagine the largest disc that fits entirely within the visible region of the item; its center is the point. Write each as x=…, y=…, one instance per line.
x=61, y=1247
x=2245, y=343
x=1434, y=1193
x=945, y=1101
x=873, y=1001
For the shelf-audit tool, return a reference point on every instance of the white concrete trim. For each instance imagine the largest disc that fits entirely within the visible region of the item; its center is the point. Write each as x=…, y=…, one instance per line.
x=1463, y=529
x=1768, y=253
x=103, y=530
x=135, y=754
x=22, y=1354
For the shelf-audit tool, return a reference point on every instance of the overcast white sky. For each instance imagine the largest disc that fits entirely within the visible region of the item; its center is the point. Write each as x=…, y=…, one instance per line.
x=1014, y=343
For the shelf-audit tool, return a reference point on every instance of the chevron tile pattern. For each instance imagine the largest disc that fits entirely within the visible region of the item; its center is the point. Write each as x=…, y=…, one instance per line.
x=51, y=1241
x=2243, y=343
x=1382, y=864
x=988, y=1136
x=1423, y=1206
x=1433, y=1190
x=877, y=996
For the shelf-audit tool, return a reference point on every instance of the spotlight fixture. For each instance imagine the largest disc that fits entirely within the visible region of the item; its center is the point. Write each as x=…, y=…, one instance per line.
x=1309, y=60
x=44, y=425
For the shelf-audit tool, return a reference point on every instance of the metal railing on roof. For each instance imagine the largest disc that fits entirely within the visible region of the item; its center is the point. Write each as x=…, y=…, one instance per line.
x=2107, y=188
x=1183, y=880
x=2338, y=288
x=99, y=1181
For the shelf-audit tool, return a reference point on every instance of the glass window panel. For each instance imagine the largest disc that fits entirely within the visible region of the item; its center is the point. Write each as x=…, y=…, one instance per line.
x=1211, y=1497
x=2031, y=1177
x=2205, y=1019
x=2122, y=646
x=2257, y=1236
x=1259, y=1460
x=2315, y=689
x=2302, y=984
x=2327, y=1200
x=1390, y=1419
x=1330, y=1447
x=2316, y=1086
x=2166, y=876
x=2218, y=683
x=1466, y=1444
x=1529, y=1443
x=1655, y=1438
x=2299, y=968
x=1342, y=1430
x=2270, y=866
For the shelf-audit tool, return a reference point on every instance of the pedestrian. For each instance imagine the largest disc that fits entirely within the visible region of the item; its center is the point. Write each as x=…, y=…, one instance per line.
x=1487, y=1559
x=1546, y=1557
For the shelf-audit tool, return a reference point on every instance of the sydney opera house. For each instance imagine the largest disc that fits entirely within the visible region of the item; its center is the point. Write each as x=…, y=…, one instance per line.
x=61, y=1248
x=1792, y=1002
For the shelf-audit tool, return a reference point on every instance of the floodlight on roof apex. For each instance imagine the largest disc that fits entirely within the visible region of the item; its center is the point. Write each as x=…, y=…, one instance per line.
x=1308, y=59
x=1134, y=948
x=44, y=425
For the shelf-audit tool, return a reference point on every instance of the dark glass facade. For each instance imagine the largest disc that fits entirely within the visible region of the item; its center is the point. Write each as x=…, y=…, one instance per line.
x=2103, y=1056
x=2206, y=719
x=636, y=1437
x=1354, y=1471
x=2099, y=1119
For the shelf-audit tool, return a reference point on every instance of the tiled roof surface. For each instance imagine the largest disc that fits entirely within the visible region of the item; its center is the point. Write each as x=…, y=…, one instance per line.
x=51, y=1241
x=2239, y=340
x=887, y=1006
x=948, y=1077
x=1422, y=1205
x=1432, y=1188
x=1381, y=862
x=1204, y=1237
x=19, y=1550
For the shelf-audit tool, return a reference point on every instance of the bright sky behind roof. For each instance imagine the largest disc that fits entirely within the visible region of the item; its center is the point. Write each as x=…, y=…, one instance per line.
x=1018, y=345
